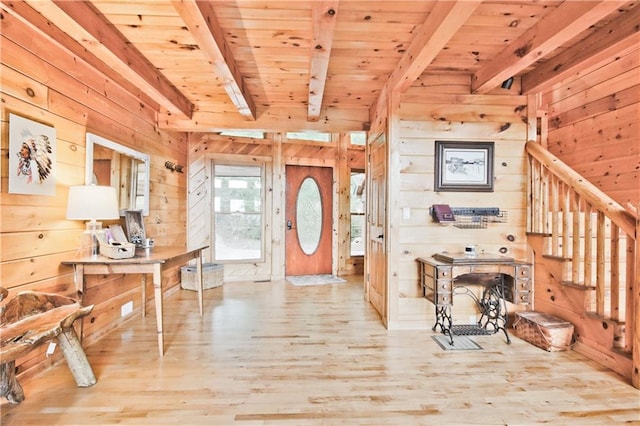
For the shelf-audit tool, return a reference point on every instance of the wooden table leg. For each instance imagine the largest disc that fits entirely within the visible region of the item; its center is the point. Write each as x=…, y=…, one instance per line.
x=144, y=295
x=157, y=289
x=78, y=280
x=199, y=280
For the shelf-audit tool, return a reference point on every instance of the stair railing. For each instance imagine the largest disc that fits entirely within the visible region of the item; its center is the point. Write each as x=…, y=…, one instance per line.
x=594, y=234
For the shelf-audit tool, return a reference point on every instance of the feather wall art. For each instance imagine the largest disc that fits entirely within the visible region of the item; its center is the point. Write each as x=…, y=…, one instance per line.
x=32, y=157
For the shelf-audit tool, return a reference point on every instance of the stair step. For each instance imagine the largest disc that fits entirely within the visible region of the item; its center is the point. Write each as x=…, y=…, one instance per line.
x=538, y=234
x=579, y=286
x=558, y=258
x=619, y=327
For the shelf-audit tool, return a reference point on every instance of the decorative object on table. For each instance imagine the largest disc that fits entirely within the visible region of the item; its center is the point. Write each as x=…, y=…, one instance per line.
x=544, y=330
x=32, y=157
x=114, y=245
x=135, y=227
x=212, y=276
x=92, y=202
x=464, y=166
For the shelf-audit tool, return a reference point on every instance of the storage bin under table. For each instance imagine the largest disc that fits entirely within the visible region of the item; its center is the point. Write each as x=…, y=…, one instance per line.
x=212, y=276
x=544, y=330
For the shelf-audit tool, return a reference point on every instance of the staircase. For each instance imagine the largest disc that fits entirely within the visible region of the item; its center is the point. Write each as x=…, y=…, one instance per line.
x=586, y=258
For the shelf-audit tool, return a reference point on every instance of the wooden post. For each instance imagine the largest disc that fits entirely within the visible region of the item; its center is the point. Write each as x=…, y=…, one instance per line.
x=76, y=358
x=635, y=296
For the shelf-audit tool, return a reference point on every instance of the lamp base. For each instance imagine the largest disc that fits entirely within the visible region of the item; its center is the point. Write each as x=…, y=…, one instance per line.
x=90, y=239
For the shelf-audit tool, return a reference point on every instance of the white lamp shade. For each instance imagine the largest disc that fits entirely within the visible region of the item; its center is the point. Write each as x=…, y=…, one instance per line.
x=91, y=202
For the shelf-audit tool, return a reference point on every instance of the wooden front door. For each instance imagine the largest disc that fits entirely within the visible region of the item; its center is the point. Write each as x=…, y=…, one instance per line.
x=376, y=281
x=308, y=218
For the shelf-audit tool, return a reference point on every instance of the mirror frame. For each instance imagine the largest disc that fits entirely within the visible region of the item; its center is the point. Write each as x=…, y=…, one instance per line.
x=93, y=139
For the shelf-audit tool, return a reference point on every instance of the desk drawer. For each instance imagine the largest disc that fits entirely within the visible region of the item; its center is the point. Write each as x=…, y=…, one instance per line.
x=523, y=270
x=444, y=299
x=523, y=284
x=444, y=272
x=522, y=298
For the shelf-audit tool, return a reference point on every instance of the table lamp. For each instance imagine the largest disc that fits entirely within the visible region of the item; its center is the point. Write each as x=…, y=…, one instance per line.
x=92, y=203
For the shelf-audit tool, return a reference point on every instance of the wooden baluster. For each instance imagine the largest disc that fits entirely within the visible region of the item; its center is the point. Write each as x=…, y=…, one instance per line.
x=544, y=200
x=633, y=301
x=555, y=216
x=576, y=259
x=600, y=259
x=566, y=216
x=587, y=264
x=614, y=278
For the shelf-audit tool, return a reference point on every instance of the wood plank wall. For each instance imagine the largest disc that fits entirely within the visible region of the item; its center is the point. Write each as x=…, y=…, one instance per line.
x=42, y=81
x=441, y=108
x=594, y=125
x=275, y=152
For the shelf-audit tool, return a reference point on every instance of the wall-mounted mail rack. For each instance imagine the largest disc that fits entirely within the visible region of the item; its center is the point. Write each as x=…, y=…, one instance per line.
x=472, y=217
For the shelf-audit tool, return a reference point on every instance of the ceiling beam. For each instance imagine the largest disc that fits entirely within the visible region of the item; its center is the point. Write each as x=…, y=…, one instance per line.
x=619, y=35
x=443, y=22
x=323, y=21
x=90, y=28
x=560, y=26
x=203, y=24
x=272, y=119
x=35, y=20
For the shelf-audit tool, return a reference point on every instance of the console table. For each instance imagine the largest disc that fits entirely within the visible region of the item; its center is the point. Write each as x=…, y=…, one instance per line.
x=502, y=278
x=146, y=261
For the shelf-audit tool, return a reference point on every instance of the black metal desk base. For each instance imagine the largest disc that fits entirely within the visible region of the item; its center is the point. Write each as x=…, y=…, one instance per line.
x=493, y=316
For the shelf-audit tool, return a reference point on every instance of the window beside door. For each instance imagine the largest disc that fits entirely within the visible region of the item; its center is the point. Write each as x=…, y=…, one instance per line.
x=238, y=212
x=357, y=212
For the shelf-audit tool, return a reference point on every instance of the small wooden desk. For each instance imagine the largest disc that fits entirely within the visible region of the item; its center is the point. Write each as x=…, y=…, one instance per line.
x=144, y=262
x=509, y=280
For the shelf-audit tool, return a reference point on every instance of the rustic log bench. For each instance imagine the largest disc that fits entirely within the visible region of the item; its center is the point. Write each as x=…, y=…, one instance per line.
x=28, y=321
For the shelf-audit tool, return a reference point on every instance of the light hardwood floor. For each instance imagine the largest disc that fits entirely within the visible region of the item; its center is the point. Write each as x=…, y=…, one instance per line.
x=275, y=354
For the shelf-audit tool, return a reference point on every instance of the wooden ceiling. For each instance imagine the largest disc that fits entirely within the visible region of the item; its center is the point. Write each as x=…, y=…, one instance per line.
x=323, y=65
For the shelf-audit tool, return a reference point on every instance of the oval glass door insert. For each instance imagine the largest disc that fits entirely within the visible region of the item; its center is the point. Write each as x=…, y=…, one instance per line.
x=309, y=215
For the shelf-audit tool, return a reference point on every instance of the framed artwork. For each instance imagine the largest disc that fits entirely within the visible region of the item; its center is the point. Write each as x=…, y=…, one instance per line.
x=32, y=157
x=135, y=227
x=464, y=166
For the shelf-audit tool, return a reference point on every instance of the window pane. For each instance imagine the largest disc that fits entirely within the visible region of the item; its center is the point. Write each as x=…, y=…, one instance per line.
x=310, y=136
x=357, y=235
x=238, y=236
x=357, y=212
x=237, y=204
x=309, y=216
x=244, y=133
x=358, y=138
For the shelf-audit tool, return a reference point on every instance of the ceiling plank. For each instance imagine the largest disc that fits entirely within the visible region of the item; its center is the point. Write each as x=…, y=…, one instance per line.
x=564, y=23
x=203, y=24
x=89, y=27
x=617, y=36
x=443, y=22
x=324, y=21
x=441, y=25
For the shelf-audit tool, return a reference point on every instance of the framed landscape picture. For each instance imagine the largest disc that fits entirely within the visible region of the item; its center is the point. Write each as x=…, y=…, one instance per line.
x=463, y=166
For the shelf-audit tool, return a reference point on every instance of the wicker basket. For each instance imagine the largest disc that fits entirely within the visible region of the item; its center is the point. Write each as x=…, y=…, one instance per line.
x=121, y=250
x=212, y=276
x=544, y=331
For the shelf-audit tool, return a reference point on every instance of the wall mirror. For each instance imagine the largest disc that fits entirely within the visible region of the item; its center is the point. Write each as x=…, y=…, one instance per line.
x=111, y=164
